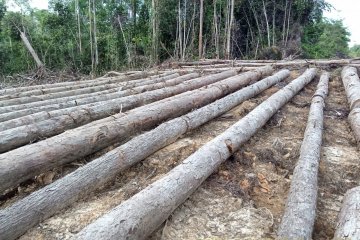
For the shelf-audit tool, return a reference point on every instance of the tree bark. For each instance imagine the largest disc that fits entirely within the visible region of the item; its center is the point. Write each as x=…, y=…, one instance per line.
x=81, y=91
x=351, y=83
x=37, y=101
x=125, y=78
x=89, y=112
x=300, y=211
x=140, y=215
x=348, y=223
x=103, y=97
x=228, y=37
x=31, y=50
x=101, y=84
x=28, y=161
x=201, y=22
x=85, y=180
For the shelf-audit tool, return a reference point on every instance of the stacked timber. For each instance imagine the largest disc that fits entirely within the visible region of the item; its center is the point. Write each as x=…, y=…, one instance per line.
x=135, y=218
x=102, y=170
x=26, y=162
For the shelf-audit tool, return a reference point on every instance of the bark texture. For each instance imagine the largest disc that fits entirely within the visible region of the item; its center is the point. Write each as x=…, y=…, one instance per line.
x=351, y=83
x=139, y=216
x=124, y=77
x=27, y=99
x=13, y=221
x=300, y=211
x=56, y=122
x=348, y=225
x=37, y=101
x=103, y=97
x=28, y=161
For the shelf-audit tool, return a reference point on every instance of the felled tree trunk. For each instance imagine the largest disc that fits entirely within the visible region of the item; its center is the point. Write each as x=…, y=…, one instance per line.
x=85, y=180
x=348, y=223
x=351, y=83
x=126, y=77
x=103, y=97
x=140, y=215
x=99, y=83
x=300, y=211
x=36, y=101
x=80, y=115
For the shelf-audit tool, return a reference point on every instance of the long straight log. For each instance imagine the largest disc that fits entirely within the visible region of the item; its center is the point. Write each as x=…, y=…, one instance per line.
x=27, y=99
x=348, y=223
x=103, y=97
x=36, y=101
x=351, y=83
x=300, y=211
x=319, y=62
x=67, y=190
x=139, y=216
x=26, y=162
x=104, y=82
x=63, y=84
x=79, y=115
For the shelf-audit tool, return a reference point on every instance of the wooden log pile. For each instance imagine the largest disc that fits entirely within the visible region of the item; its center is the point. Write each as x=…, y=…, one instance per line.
x=47, y=126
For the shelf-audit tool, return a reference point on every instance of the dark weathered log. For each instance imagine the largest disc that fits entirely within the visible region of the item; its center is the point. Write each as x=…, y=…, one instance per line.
x=348, y=223
x=139, y=216
x=126, y=77
x=351, y=83
x=44, y=203
x=300, y=211
x=27, y=99
x=37, y=101
x=79, y=115
x=28, y=161
x=103, y=97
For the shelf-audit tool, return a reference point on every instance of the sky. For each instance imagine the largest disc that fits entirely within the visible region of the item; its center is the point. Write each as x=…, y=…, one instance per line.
x=347, y=10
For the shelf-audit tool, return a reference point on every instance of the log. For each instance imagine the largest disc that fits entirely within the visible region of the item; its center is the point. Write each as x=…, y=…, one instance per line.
x=300, y=210
x=27, y=99
x=83, y=181
x=37, y=101
x=132, y=76
x=80, y=115
x=26, y=162
x=348, y=223
x=140, y=215
x=351, y=83
x=104, y=82
x=103, y=97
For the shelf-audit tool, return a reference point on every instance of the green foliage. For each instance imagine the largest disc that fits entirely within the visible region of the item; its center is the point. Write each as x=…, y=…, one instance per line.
x=355, y=51
x=124, y=32
x=326, y=39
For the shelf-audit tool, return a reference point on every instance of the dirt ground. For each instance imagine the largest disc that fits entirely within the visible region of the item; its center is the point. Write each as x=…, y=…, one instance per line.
x=245, y=198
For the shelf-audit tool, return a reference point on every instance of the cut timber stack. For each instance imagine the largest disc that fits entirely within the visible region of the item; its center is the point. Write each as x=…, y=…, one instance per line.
x=135, y=218
x=26, y=162
x=93, y=148
x=100, y=171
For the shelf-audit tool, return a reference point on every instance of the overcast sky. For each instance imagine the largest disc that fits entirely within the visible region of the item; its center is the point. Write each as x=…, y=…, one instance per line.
x=347, y=10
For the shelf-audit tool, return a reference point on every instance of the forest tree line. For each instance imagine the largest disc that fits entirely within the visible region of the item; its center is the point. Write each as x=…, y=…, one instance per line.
x=95, y=36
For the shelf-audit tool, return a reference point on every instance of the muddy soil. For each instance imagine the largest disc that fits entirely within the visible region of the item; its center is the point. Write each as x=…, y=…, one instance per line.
x=245, y=198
